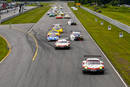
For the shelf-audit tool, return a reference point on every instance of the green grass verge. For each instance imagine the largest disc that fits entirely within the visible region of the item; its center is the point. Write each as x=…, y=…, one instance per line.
x=32, y=5
x=121, y=14
x=116, y=49
x=29, y=17
x=3, y=48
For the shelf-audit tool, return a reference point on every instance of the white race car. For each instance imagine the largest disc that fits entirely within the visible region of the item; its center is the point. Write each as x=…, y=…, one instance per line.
x=92, y=64
x=67, y=16
x=76, y=36
x=71, y=22
x=62, y=43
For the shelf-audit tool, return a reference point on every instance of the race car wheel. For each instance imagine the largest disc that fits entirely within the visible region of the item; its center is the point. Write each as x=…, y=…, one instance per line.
x=84, y=72
x=68, y=47
x=102, y=72
x=56, y=48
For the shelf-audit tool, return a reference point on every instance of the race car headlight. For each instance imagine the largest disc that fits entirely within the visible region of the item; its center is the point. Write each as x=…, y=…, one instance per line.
x=101, y=67
x=85, y=67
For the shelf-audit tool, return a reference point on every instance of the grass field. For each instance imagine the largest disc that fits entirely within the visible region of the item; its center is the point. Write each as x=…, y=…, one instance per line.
x=116, y=49
x=3, y=48
x=29, y=17
x=32, y=4
x=121, y=14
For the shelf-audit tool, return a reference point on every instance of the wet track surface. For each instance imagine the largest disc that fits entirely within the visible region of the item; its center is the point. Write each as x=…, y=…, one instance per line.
x=61, y=68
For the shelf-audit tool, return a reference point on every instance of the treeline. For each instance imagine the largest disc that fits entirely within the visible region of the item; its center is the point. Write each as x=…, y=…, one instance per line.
x=42, y=0
x=103, y=2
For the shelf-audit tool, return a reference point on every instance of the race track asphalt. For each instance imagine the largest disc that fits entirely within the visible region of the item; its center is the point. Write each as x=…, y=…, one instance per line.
x=53, y=68
x=13, y=68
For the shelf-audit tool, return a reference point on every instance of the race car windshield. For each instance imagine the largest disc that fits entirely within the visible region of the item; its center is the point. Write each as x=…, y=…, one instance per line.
x=54, y=32
x=90, y=62
x=57, y=28
x=52, y=35
x=76, y=34
x=62, y=41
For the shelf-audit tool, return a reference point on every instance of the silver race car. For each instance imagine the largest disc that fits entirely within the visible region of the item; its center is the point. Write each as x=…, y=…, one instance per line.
x=76, y=36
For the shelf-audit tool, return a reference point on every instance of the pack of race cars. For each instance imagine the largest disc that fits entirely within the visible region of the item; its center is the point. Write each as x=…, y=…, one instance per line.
x=90, y=63
x=56, y=30
x=58, y=13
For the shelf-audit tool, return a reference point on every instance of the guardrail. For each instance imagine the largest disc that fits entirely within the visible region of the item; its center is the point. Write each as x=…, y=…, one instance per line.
x=110, y=20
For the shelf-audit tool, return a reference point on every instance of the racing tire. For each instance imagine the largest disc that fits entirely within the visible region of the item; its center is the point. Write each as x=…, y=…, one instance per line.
x=56, y=48
x=68, y=47
x=84, y=72
x=102, y=72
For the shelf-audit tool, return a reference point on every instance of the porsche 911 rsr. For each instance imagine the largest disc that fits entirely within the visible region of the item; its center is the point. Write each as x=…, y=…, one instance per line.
x=53, y=32
x=71, y=22
x=52, y=37
x=62, y=43
x=61, y=13
x=51, y=15
x=76, y=36
x=92, y=65
x=67, y=16
x=59, y=17
x=58, y=29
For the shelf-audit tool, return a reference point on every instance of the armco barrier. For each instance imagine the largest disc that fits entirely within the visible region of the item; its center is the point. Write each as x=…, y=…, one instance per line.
x=110, y=20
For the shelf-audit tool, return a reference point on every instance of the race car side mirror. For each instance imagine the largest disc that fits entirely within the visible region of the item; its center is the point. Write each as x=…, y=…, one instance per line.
x=83, y=62
x=101, y=62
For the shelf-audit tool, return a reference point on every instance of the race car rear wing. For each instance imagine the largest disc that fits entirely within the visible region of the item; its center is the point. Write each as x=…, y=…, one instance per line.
x=92, y=56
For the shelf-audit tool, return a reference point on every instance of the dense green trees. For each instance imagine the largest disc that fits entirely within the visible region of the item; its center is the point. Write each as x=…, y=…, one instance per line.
x=9, y=0
x=100, y=2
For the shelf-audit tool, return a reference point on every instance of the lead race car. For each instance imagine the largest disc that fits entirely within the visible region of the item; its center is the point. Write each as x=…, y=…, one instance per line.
x=76, y=36
x=62, y=43
x=92, y=63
